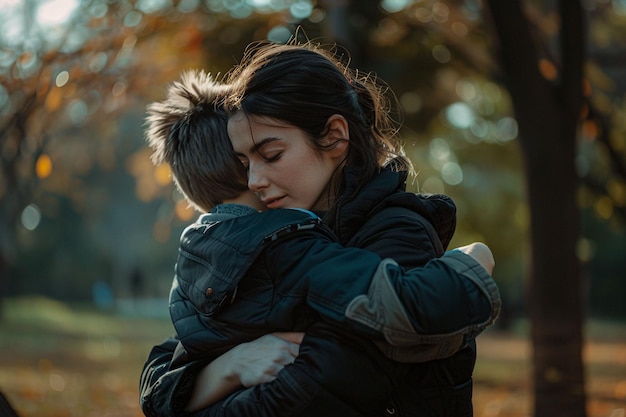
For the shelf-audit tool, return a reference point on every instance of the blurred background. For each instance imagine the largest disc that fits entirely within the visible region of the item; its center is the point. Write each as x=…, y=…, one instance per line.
x=89, y=227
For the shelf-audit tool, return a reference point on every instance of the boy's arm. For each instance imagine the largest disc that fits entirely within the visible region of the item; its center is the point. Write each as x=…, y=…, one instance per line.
x=420, y=322
x=440, y=303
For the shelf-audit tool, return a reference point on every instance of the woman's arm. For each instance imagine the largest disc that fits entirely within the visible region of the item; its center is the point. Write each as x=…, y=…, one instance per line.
x=165, y=392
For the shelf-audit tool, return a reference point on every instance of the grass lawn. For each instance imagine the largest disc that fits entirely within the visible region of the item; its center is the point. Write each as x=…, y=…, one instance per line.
x=61, y=361
x=58, y=361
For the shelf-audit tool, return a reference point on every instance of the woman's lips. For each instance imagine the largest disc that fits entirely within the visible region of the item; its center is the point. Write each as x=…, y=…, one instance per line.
x=273, y=202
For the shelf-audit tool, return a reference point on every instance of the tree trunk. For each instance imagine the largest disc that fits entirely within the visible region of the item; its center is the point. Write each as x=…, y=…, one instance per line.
x=8, y=217
x=548, y=113
x=7, y=258
x=3, y=284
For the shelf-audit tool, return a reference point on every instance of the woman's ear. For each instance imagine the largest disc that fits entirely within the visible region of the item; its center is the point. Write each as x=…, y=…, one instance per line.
x=338, y=135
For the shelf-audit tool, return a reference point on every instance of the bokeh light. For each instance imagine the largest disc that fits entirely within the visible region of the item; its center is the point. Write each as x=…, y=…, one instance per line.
x=466, y=90
x=433, y=185
x=617, y=191
x=184, y=211
x=441, y=54
x=301, y=9
x=77, y=111
x=56, y=12
x=163, y=175
x=411, y=102
x=492, y=92
x=188, y=6
x=119, y=88
x=31, y=217
x=393, y=6
x=57, y=382
x=439, y=153
x=153, y=6
x=452, y=173
x=506, y=129
x=423, y=14
x=584, y=250
x=98, y=10
x=460, y=115
x=43, y=166
x=132, y=18
x=481, y=129
x=62, y=78
x=604, y=207
x=459, y=29
x=98, y=62
x=280, y=34
x=440, y=12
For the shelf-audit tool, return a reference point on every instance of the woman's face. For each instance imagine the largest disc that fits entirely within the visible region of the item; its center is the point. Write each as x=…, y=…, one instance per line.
x=284, y=169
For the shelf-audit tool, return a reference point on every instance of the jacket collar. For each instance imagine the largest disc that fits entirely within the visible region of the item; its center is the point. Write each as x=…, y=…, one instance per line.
x=387, y=189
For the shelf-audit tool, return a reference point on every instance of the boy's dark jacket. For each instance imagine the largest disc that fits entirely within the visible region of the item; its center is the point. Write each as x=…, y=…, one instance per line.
x=384, y=221
x=217, y=301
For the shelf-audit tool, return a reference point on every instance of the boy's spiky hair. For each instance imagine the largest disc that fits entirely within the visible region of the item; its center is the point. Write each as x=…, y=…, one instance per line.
x=188, y=131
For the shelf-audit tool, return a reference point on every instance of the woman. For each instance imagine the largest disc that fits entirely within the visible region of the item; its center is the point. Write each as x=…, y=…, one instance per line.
x=315, y=136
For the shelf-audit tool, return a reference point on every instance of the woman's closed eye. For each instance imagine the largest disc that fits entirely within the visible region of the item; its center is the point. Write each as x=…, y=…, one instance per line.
x=272, y=156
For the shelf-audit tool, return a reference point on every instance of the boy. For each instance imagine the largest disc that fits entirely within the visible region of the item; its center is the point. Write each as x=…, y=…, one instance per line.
x=242, y=274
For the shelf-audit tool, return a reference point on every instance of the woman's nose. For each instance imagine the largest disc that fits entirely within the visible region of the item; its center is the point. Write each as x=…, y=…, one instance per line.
x=256, y=180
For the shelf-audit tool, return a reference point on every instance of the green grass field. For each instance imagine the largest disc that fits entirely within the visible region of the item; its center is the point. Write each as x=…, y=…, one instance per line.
x=61, y=361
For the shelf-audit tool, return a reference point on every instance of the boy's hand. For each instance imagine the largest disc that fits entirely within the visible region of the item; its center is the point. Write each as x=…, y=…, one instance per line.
x=481, y=253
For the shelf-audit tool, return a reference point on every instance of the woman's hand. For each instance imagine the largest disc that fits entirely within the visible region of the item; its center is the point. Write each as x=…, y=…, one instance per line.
x=247, y=364
x=481, y=253
x=260, y=361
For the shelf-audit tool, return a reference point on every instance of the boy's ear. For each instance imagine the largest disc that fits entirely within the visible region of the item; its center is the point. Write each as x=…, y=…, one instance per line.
x=338, y=135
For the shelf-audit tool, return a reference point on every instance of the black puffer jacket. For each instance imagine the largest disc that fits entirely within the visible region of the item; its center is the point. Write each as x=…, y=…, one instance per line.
x=338, y=373
x=239, y=277
x=380, y=220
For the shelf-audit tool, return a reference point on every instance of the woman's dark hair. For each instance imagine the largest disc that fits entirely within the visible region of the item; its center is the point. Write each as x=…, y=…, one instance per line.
x=303, y=85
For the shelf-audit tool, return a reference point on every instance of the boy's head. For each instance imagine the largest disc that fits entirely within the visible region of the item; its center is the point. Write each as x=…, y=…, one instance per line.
x=188, y=132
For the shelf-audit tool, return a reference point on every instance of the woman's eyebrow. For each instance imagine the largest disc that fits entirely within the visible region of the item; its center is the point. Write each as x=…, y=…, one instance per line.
x=258, y=145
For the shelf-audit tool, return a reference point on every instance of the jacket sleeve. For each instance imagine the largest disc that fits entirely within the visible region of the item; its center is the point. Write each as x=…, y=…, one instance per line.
x=436, y=307
x=164, y=391
x=428, y=313
x=442, y=296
